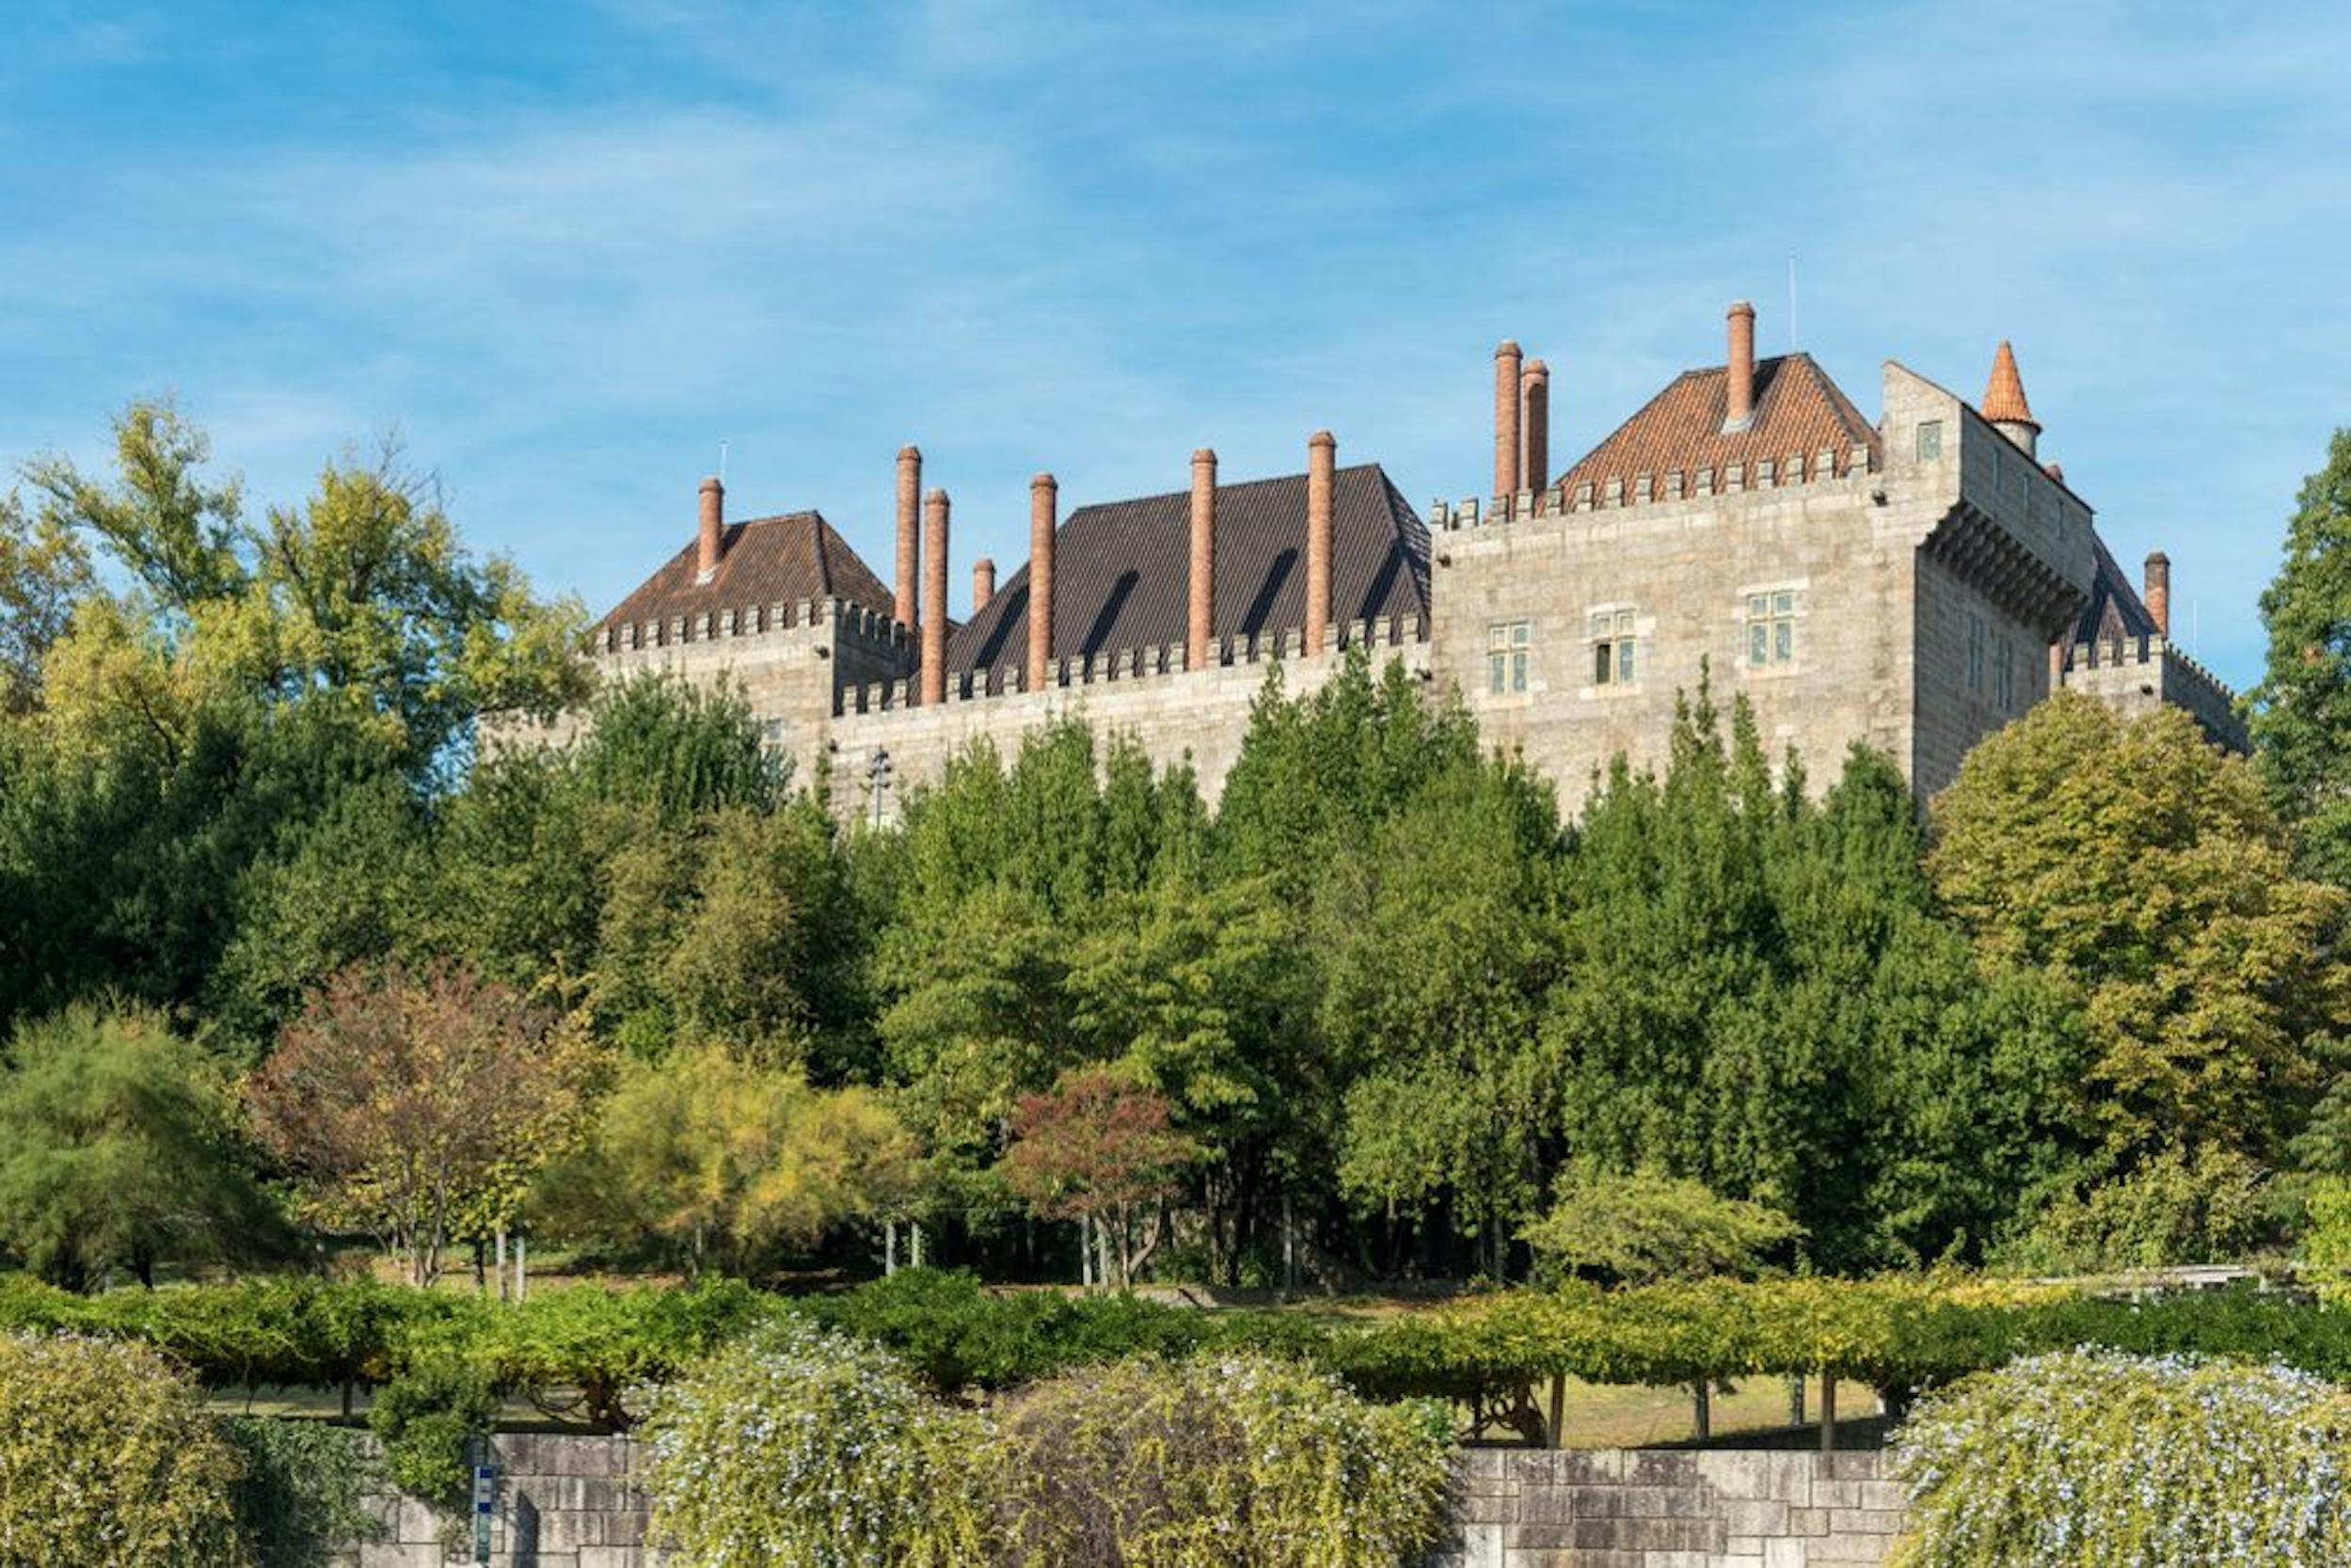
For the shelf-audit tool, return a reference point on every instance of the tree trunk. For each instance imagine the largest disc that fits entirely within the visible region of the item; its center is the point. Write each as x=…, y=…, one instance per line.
x=1559, y=1410
x=522, y=1269
x=500, y=1260
x=1085, y=1251
x=889, y=1248
x=1152, y=1236
x=1702, y=1410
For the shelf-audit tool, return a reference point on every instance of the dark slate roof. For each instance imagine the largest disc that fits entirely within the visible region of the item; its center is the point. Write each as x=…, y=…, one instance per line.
x=762, y=561
x=1798, y=409
x=1121, y=570
x=2115, y=609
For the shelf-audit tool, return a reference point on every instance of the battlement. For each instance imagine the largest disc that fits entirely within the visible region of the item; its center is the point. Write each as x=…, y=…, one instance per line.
x=844, y=620
x=1128, y=666
x=2142, y=649
x=1646, y=489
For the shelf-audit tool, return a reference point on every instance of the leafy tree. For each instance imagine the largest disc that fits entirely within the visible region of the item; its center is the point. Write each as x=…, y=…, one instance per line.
x=1098, y=1148
x=1642, y=1229
x=43, y=570
x=118, y=1149
x=2144, y=867
x=721, y=1161
x=400, y=1101
x=2301, y=711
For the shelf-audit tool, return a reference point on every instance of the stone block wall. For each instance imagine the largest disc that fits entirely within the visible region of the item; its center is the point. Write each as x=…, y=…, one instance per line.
x=1646, y=1508
x=568, y=1501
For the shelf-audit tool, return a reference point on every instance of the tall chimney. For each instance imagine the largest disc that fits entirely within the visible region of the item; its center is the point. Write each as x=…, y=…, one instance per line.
x=934, y=619
x=983, y=583
x=909, y=489
x=1740, y=383
x=1043, y=496
x=1506, y=453
x=1321, y=463
x=1534, y=398
x=2158, y=591
x=1203, y=619
x=713, y=526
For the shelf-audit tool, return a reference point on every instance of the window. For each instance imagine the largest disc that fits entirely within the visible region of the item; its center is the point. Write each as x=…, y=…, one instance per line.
x=1772, y=628
x=1506, y=644
x=1930, y=440
x=1975, y=653
x=1616, y=649
x=2005, y=677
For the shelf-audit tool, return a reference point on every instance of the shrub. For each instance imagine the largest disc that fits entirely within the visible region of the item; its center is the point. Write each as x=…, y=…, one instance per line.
x=1213, y=1462
x=107, y=1458
x=2082, y=1458
x=2174, y=1208
x=304, y=1491
x=425, y=1416
x=805, y=1448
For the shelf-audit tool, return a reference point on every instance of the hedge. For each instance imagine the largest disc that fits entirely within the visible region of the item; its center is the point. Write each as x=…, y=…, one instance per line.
x=590, y=1346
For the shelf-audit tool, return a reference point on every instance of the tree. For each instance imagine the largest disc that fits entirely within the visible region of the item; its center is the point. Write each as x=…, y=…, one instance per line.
x=43, y=570
x=719, y=1161
x=1644, y=1227
x=2140, y=865
x=1097, y=1148
x=399, y=1101
x=118, y=1149
x=2301, y=711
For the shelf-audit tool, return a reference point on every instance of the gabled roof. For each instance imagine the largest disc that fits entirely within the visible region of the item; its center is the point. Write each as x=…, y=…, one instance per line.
x=1798, y=409
x=1122, y=570
x=783, y=560
x=2004, y=394
x=2115, y=609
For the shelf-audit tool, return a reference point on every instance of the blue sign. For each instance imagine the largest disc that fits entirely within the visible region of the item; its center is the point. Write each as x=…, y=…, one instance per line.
x=484, y=1504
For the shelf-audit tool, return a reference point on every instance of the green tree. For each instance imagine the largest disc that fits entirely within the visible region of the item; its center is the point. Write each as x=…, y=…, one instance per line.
x=1642, y=1228
x=2142, y=867
x=2301, y=710
x=118, y=1149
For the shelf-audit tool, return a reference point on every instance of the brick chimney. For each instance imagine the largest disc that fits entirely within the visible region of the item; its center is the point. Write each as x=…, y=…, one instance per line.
x=1738, y=412
x=934, y=619
x=983, y=583
x=2158, y=591
x=1322, y=464
x=1043, y=494
x=1203, y=627
x=1534, y=400
x=909, y=489
x=1506, y=453
x=713, y=530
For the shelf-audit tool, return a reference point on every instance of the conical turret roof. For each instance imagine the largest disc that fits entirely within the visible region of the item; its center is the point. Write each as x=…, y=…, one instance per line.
x=2004, y=398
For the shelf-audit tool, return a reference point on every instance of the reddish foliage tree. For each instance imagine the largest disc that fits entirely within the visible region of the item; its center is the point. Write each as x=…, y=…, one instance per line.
x=398, y=1100
x=1098, y=1148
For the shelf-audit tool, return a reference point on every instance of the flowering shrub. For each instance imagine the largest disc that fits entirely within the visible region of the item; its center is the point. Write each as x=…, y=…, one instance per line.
x=1213, y=1462
x=800, y=1448
x=107, y=1458
x=2085, y=1459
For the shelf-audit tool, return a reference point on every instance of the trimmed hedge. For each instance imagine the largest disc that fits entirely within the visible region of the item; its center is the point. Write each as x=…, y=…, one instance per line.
x=590, y=1347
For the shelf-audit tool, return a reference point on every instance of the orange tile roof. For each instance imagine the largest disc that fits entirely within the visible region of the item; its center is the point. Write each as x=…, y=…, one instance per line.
x=2004, y=396
x=1798, y=409
x=784, y=560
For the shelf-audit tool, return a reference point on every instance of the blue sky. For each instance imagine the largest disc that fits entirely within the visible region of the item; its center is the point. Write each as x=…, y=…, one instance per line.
x=567, y=250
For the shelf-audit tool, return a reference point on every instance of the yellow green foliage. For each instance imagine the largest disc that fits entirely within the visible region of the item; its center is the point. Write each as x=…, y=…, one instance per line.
x=107, y=1459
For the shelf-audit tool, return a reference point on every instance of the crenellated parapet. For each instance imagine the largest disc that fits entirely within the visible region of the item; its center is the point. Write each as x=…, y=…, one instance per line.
x=2136, y=674
x=1649, y=488
x=850, y=623
x=1128, y=666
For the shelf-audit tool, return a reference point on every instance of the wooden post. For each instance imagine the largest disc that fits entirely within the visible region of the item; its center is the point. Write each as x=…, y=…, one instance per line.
x=1559, y=1410
x=1796, y=1400
x=1704, y=1408
x=1828, y=1412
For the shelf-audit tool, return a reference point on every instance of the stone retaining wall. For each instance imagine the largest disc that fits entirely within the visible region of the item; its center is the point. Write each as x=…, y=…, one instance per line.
x=575, y=1502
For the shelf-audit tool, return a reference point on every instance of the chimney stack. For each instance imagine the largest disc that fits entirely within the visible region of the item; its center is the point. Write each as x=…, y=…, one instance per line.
x=2158, y=591
x=983, y=583
x=1043, y=496
x=1534, y=398
x=713, y=526
x=1203, y=617
x=934, y=619
x=1322, y=464
x=1507, y=457
x=1740, y=383
x=909, y=489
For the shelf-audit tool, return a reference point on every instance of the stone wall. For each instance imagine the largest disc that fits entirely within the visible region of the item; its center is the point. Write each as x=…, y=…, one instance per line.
x=1648, y=1508
x=575, y=1502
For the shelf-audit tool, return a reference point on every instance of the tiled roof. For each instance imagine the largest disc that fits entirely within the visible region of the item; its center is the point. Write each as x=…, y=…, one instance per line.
x=2004, y=394
x=2115, y=609
x=1121, y=570
x=1798, y=409
x=763, y=561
